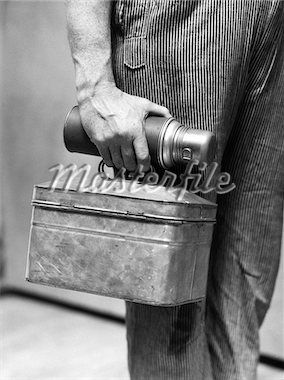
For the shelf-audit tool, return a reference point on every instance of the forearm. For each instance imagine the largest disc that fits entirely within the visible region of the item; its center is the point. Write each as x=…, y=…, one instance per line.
x=113, y=120
x=89, y=35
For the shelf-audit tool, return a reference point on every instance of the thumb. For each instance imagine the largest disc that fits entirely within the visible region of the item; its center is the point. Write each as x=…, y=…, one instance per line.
x=154, y=108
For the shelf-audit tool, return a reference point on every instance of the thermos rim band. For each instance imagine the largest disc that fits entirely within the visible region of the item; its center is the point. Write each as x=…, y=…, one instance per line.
x=160, y=147
x=166, y=143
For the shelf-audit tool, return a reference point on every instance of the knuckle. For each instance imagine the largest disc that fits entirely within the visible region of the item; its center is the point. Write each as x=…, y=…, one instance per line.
x=119, y=133
x=125, y=136
x=101, y=142
x=94, y=137
x=122, y=130
x=97, y=139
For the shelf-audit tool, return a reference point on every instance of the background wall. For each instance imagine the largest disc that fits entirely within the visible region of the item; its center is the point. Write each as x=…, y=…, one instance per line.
x=1, y=127
x=38, y=82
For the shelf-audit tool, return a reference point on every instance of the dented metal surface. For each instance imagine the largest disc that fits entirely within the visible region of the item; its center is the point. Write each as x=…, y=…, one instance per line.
x=147, y=248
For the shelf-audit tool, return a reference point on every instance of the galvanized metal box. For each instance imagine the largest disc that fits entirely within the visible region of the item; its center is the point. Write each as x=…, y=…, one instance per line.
x=145, y=247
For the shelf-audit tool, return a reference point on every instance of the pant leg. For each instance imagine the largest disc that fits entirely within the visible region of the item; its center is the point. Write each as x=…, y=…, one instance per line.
x=247, y=241
x=198, y=59
x=160, y=341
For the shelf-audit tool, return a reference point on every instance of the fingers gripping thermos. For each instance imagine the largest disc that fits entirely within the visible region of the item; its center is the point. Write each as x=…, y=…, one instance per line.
x=170, y=143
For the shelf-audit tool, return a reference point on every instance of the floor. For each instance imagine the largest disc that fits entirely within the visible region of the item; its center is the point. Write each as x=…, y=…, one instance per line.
x=43, y=342
x=40, y=341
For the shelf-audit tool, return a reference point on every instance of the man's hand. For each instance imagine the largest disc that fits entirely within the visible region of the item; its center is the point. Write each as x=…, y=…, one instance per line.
x=114, y=121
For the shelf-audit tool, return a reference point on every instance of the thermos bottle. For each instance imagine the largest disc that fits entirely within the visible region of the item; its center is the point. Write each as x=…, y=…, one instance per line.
x=170, y=143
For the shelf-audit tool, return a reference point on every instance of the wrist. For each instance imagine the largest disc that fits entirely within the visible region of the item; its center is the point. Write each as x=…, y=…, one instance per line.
x=98, y=95
x=92, y=78
x=89, y=90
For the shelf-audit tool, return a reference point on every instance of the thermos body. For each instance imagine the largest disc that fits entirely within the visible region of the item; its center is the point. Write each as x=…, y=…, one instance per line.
x=170, y=143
